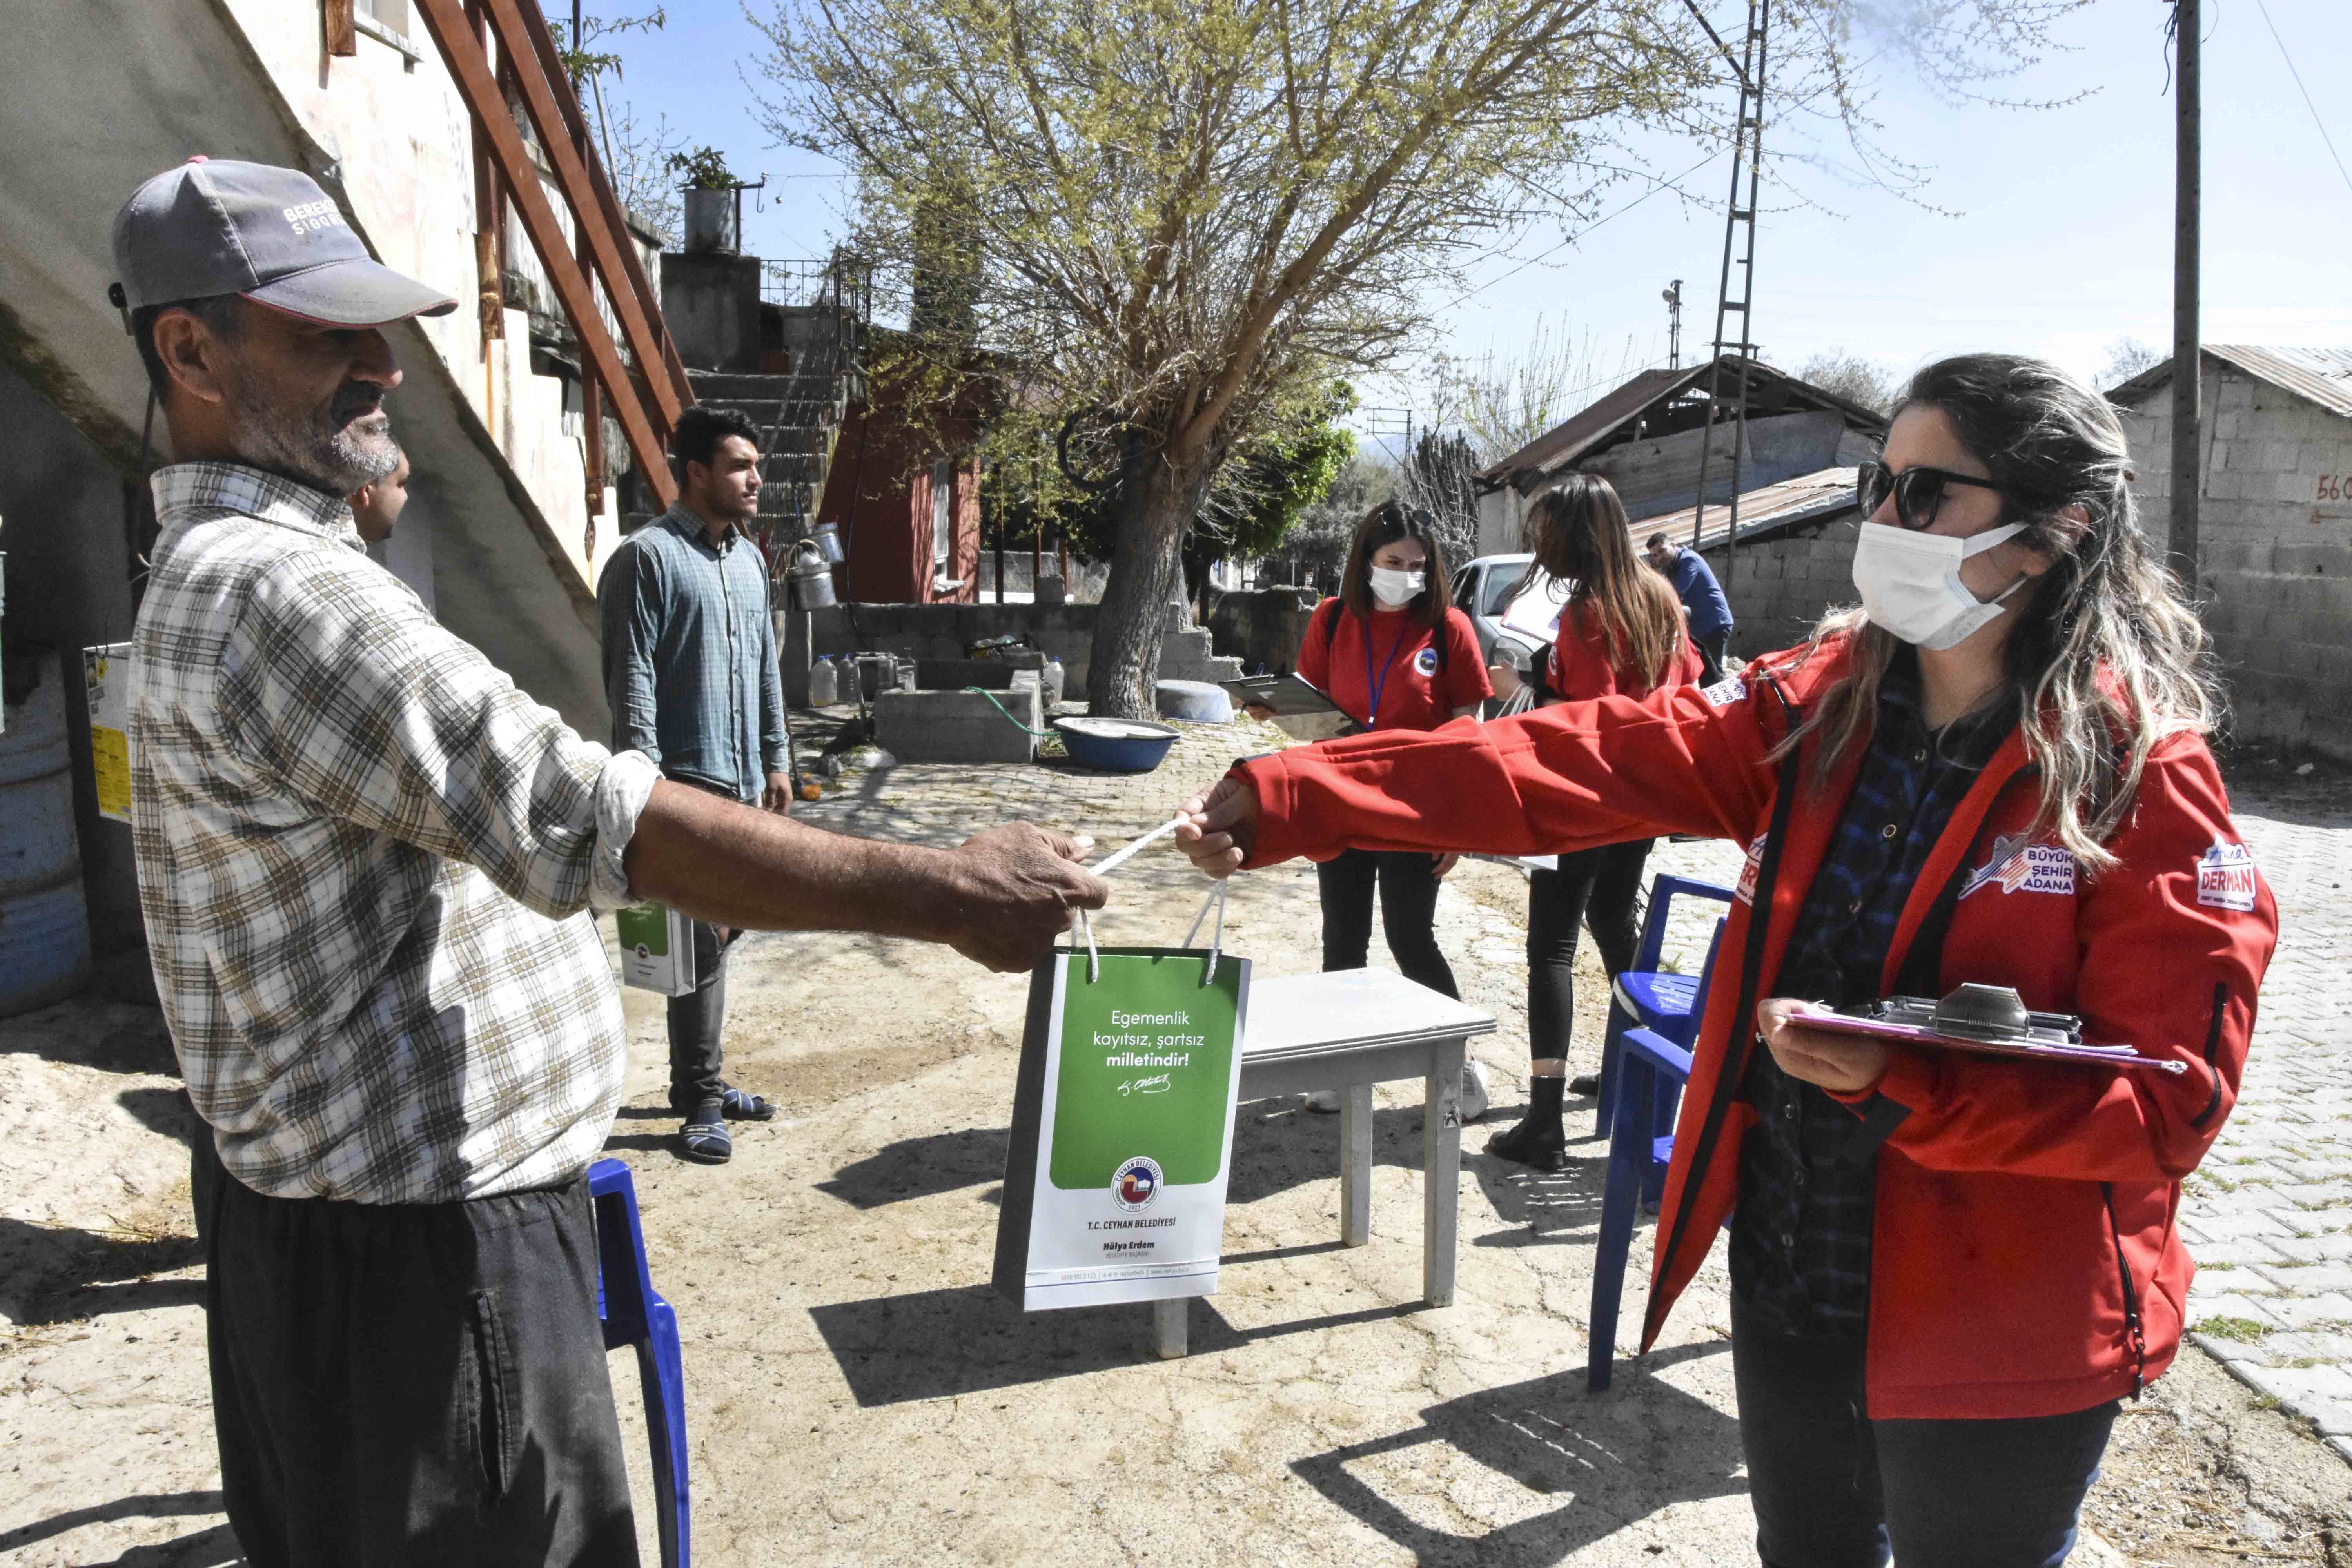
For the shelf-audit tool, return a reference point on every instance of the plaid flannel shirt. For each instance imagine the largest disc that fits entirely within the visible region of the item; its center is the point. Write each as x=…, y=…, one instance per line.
x=365, y=861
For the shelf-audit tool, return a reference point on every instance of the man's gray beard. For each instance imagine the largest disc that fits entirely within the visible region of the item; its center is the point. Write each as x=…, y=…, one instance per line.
x=335, y=460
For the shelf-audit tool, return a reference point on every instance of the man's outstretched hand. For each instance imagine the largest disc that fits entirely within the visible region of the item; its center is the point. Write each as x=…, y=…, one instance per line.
x=1218, y=826
x=1016, y=889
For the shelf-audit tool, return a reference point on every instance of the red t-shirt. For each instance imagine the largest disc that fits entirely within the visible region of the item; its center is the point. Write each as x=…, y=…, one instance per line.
x=1581, y=669
x=1400, y=661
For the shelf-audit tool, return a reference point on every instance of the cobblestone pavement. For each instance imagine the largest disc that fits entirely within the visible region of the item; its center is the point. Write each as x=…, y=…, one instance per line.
x=2269, y=1215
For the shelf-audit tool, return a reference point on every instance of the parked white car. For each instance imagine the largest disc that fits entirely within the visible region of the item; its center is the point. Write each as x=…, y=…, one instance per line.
x=1518, y=627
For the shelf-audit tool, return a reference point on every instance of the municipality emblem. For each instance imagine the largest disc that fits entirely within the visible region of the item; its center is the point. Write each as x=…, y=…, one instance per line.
x=2017, y=865
x=1425, y=661
x=1136, y=1183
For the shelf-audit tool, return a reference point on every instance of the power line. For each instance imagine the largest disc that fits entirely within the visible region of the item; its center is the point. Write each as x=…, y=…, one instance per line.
x=2329, y=141
x=1580, y=234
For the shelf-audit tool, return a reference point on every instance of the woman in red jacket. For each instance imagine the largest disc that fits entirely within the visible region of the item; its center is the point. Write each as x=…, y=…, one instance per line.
x=1621, y=631
x=1393, y=653
x=1945, y=1268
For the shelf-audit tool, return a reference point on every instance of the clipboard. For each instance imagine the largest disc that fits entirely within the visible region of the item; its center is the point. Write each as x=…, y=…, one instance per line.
x=1987, y=1020
x=1288, y=695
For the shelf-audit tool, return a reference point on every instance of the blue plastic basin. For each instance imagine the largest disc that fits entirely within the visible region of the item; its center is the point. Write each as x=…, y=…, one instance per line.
x=1115, y=745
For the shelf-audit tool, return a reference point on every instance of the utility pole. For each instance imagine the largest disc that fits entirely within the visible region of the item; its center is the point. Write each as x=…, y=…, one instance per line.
x=2188, y=361
x=1673, y=298
x=1747, y=157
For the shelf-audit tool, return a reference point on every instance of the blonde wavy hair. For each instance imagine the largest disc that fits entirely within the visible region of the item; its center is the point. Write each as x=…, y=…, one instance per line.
x=2108, y=658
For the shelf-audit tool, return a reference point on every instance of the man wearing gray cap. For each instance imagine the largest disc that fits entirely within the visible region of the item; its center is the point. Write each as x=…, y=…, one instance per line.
x=365, y=861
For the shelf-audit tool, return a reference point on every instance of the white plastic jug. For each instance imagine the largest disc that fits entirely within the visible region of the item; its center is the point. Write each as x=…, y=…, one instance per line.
x=824, y=683
x=1053, y=677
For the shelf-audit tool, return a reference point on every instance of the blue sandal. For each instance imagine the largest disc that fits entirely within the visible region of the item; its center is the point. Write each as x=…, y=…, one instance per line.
x=706, y=1142
x=737, y=1106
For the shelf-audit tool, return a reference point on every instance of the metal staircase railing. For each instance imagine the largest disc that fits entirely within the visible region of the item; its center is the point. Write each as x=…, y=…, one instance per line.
x=645, y=404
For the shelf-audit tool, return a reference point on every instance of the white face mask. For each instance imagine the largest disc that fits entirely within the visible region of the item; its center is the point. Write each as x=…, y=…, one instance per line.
x=1910, y=583
x=1396, y=589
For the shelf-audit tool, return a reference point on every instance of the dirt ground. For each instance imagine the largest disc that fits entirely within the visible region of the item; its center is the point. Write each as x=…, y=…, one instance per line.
x=856, y=1392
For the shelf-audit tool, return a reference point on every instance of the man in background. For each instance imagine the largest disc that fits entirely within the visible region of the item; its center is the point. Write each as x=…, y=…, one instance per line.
x=691, y=675
x=1705, y=612
x=377, y=505
x=365, y=863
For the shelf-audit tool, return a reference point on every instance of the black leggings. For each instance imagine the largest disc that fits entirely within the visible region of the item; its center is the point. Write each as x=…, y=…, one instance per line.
x=1408, y=885
x=1595, y=886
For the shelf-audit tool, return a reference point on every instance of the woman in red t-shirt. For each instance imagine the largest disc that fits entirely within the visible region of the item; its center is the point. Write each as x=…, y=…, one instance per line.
x=1394, y=652
x=1621, y=632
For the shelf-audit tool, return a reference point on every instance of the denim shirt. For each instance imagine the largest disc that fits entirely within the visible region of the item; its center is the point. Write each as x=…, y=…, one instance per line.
x=690, y=668
x=1800, y=1238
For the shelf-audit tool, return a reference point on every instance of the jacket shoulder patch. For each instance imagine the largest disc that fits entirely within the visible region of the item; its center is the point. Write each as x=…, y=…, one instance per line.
x=2017, y=866
x=2226, y=878
x=1746, y=891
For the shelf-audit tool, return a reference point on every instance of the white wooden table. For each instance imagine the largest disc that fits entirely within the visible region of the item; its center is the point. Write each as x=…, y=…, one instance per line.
x=1348, y=1031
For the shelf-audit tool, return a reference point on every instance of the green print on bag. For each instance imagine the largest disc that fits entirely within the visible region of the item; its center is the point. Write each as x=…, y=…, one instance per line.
x=1146, y=1068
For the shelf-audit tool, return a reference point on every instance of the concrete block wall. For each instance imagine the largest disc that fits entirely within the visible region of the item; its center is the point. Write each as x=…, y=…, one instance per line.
x=1262, y=628
x=2274, y=551
x=945, y=631
x=1781, y=587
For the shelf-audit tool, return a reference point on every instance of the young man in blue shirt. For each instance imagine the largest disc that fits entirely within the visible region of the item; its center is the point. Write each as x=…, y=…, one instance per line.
x=690, y=672
x=1707, y=611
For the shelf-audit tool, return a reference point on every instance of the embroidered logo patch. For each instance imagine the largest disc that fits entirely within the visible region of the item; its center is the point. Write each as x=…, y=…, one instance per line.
x=2018, y=866
x=1425, y=661
x=1746, y=891
x=2226, y=878
x=1726, y=692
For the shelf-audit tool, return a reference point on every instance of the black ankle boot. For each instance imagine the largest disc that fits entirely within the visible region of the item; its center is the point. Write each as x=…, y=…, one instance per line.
x=1539, y=1139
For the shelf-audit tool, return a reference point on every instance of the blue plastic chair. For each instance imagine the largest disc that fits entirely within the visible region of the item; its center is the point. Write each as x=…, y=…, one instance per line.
x=1652, y=1072
x=1644, y=997
x=633, y=1314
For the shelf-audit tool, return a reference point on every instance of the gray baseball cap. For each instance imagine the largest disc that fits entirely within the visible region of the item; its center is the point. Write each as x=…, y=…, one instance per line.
x=213, y=225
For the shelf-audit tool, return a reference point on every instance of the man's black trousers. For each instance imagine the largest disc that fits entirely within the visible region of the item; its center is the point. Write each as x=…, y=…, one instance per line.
x=411, y=1383
x=696, y=1022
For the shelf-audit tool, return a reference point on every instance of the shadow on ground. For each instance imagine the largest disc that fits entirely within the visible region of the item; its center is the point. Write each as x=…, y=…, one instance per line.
x=208, y=1548
x=1614, y=1458
x=936, y=1344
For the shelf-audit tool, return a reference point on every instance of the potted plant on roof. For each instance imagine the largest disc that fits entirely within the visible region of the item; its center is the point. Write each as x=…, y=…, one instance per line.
x=713, y=207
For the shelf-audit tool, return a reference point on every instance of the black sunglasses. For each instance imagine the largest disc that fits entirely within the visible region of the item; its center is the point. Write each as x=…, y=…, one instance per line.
x=1919, y=492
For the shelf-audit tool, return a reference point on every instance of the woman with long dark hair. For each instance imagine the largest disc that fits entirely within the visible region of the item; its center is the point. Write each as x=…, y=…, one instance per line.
x=1393, y=653
x=1946, y=1268
x=1621, y=631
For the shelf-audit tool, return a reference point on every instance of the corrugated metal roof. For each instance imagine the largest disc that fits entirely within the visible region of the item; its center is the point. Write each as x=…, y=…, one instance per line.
x=1818, y=494
x=2317, y=375
x=1565, y=444
x=1573, y=437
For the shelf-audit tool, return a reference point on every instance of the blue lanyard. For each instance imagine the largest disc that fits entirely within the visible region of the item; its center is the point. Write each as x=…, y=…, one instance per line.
x=1373, y=713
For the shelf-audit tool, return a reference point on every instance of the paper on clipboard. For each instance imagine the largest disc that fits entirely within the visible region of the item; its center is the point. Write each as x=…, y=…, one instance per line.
x=1285, y=694
x=1534, y=612
x=1887, y=1031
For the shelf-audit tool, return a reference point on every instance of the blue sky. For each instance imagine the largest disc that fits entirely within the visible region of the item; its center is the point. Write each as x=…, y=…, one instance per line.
x=2056, y=237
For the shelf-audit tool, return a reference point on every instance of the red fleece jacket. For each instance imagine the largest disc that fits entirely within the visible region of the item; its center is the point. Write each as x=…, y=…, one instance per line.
x=2026, y=1261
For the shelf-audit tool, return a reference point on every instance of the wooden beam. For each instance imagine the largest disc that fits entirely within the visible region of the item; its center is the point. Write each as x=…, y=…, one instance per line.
x=549, y=61
x=446, y=22
x=607, y=239
x=343, y=28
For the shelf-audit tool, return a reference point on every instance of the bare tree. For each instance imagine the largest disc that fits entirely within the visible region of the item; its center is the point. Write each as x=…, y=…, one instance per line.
x=2128, y=357
x=636, y=155
x=1508, y=395
x=1875, y=385
x=1178, y=216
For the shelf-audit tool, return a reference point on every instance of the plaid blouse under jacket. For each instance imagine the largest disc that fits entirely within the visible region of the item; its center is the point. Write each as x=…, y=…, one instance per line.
x=364, y=861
